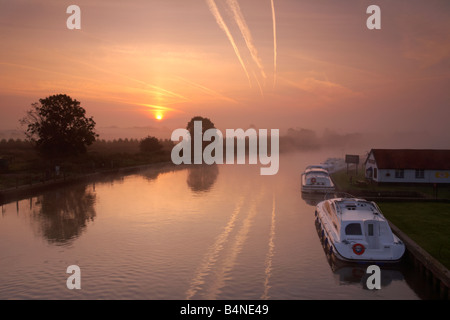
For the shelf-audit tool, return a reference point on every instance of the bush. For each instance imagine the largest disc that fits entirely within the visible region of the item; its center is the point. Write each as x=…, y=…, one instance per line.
x=150, y=145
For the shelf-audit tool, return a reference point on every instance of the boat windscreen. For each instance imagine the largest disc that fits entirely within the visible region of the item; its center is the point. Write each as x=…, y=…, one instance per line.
x=353, y=229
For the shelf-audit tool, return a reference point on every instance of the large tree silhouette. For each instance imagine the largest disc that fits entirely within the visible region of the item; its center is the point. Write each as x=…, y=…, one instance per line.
x=59, y=127
x=206, y=124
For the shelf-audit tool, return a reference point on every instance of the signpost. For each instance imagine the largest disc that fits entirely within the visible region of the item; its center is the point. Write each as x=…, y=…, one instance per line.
x=350, y=158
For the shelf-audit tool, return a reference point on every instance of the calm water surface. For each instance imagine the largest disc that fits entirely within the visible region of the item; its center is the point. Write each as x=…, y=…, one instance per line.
x=214, y=232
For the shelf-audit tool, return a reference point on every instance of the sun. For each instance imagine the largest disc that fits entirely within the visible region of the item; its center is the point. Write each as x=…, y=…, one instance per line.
x=158, y=116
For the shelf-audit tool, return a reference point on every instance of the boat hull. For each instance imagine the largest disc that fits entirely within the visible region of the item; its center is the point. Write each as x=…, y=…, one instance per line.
x=336, y=257
x=317, y=189
x=322, y=184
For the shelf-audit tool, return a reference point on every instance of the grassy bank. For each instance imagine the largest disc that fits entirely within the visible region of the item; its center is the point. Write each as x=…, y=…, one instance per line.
x=356, y=184
x=427, y=223
x=26, y=168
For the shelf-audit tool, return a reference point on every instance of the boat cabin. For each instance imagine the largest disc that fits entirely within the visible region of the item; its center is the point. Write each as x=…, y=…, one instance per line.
x=359, y=220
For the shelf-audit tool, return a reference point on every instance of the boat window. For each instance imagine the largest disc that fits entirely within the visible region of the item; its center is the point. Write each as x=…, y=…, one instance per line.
x=353, y=229
x=370, y=229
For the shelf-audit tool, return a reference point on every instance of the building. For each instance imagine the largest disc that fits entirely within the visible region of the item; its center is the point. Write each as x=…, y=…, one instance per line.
x=408, y=166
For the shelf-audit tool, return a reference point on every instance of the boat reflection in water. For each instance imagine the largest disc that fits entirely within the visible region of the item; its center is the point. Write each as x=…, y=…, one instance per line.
x=313, y=199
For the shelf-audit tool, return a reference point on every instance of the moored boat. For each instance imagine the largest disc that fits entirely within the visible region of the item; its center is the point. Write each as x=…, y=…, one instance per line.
x=316, y=179
x=356, y=230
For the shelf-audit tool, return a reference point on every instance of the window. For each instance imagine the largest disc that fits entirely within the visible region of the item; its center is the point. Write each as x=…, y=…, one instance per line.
x=400, y=173
x=375, y=173
x=369, y=173
x=353, y=229
x=370, y=229
x=420, y=174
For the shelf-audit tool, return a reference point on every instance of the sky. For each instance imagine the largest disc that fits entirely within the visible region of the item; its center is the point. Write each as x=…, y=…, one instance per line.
x=146, y=67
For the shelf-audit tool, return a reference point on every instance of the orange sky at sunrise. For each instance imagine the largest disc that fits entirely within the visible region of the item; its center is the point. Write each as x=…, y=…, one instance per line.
x=135, y=61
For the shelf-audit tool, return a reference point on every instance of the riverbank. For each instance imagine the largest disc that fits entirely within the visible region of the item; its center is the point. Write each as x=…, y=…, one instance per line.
x=21, y=191
x=356, y=184
x=419, y=214
x=21, y=165
x=430, y=268
x=411, y=208
x=427, y=223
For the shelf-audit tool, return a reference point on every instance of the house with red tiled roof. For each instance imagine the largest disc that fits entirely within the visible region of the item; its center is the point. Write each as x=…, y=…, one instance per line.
x=408, y=166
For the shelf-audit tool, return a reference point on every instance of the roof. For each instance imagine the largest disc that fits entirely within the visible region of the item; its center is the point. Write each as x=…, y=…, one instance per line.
x=317, y=166
x=424, y=159
x=317, y=171
x=356, y=210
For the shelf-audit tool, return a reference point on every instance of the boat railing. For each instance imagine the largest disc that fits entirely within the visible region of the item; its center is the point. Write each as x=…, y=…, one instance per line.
x=377, y=208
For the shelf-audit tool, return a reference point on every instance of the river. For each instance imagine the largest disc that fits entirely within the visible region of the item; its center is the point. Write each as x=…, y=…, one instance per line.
x=198, y=232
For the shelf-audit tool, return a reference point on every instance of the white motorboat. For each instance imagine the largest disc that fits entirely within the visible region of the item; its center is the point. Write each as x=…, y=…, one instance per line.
x=316, y=179
x=356, y=230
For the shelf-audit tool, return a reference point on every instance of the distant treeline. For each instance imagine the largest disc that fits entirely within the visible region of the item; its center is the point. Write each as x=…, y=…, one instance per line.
x=124, y=145
x=295, y=139
x=101, y=145
x=7, y=144
x=306, y=139
x=21, y=163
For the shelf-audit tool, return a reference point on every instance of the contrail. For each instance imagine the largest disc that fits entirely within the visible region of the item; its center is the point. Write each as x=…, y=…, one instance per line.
x=236, y=248
x=205, y=89
x=155, y=107
x=212, y=256
x=270, y=253
x=158, y=89
x=213, y=8
x=94, y=94
x=259, y=85
x=245, y=31
x=274, y=44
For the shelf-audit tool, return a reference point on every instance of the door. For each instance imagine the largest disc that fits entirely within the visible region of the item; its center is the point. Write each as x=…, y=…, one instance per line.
x=372, y=230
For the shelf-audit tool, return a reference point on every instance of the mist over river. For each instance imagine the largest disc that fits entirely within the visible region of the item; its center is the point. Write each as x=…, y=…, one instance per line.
x=192, y=232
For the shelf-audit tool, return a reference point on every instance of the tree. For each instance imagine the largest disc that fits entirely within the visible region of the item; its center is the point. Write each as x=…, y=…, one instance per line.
x=59, y=127
x=206, y=124
x=149, y=145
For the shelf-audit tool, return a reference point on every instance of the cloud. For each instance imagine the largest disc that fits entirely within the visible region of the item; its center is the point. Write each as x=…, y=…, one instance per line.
x=322, y=90
x=207, y=90
x=425, y=41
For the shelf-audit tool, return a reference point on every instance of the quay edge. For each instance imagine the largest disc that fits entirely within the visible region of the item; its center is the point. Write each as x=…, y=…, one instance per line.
x=428, y=265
